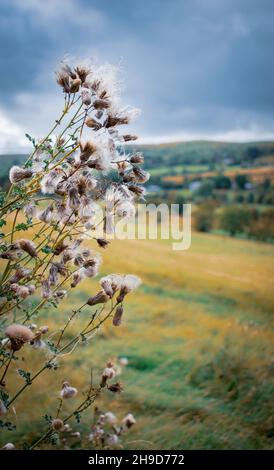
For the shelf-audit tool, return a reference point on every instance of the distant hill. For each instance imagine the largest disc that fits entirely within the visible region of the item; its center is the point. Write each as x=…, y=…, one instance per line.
x=204, y=152
x=179, y=157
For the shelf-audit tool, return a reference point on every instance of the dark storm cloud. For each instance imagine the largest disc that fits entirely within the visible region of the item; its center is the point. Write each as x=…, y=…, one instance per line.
x=195, y=67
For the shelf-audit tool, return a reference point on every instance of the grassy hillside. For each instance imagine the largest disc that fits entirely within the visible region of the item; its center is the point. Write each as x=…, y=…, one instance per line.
x=199, y=342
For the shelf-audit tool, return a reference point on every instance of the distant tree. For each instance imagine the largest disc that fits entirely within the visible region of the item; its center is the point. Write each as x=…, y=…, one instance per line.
x=204, y=218
x=266, y=184
x=263, y=228
x=206, y=189
x=252, y=153
x=236, y=219
x=241, y=181
x=222, y=182
x=250, y=198
x=239, y=198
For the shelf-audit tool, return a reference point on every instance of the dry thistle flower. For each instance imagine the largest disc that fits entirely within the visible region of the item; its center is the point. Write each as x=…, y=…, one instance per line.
x=105, y=283
x=17, y=174
x=102, y=242
x=115, y=388
x=28, y=246
x=125, y=209
x=8, y=446
x=49, y=182
x=19, y=274
x=141, y=175
x=30, y=210
x=99, y=298
x=128, y=137
x=18, y=335
x=137, y=158
x=22, y=291
x=112, y=440
x=57, y=424
x=75, y=85
x=73, y=198
x=108, y=373
x=101, y=104
x=92, y=123
x=46, y=290
x=87, y=149
x=82, y=71
x=138, y=190
x=128, y=421
x=117, y=317
x=47, y=214
x=68, y=391
x=111, y=283
x=86, y=96
x=12, y=255
x=123, y=361
x=60, y=294
x=110, y=417
x=60, y=247
x=129, y=283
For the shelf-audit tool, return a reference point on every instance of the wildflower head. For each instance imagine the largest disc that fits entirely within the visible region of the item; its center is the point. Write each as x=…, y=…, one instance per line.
x=128, y=421
x=115, y=388
x=18, y=335
x=18, y=174
x=108, y=373
x=68, y=391
x=8, y=446
x=99, y=298
x=57, y=424
x=110, y=418
x=128, y=284
x=117, y=317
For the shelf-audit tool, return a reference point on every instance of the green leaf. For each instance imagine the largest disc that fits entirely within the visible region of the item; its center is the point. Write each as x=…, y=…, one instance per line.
x=25, y=375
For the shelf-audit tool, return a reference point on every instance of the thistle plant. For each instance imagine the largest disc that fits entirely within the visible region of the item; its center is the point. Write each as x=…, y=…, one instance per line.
x=47, y=214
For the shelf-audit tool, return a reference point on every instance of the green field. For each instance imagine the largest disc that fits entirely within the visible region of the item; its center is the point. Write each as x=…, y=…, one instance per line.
x=198, y=335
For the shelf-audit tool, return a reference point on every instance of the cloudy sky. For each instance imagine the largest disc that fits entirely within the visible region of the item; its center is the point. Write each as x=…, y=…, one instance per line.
x=196, y=68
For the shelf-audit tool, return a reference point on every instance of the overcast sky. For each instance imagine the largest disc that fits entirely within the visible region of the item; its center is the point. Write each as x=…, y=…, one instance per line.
x=196, y=68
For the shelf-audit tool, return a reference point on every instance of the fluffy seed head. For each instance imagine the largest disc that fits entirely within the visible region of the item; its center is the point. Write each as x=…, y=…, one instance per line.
x=17, y=174
x=28, y=246
x=8, y=446
x=57, y=424
x=117, y=318
x=18, y=335
x=99, y=298
x=129, y=421
x=68, y=391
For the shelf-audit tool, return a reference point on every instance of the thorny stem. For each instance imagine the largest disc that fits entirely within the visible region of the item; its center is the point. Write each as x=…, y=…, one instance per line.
x=6, y=369
x=54, y=356
x=89, y=400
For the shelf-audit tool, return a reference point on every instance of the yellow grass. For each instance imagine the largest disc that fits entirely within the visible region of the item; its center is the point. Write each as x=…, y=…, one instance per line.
x=207, y=309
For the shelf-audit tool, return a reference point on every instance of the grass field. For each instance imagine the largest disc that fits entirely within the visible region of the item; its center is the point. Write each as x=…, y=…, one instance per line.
x=198, y=335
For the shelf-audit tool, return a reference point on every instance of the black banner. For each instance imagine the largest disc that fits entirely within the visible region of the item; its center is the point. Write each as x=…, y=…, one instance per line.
x=116, y=459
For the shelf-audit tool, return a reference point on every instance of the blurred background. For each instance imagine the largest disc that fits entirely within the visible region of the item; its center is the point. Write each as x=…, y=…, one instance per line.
x=198, y=334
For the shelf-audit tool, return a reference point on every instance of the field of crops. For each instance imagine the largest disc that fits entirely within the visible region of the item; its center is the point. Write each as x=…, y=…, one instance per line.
x=198, y=338
x=256, y=175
